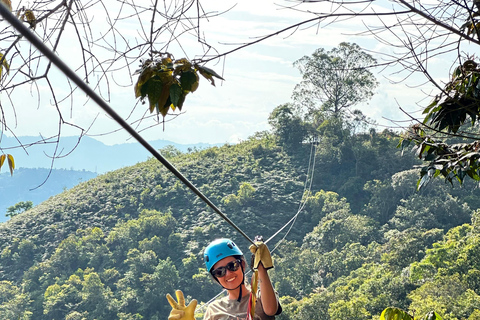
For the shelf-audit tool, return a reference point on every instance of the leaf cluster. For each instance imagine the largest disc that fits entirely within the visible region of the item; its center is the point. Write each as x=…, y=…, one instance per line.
x=452, y=161
x=458, y=101
x=457, y=104
x=165, y=82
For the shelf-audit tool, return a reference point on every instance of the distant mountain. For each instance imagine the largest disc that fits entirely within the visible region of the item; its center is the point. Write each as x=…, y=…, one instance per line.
x=90, y=154
x=36, y=185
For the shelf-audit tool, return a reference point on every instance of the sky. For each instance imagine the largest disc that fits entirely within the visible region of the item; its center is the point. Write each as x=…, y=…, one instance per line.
x=258, y=78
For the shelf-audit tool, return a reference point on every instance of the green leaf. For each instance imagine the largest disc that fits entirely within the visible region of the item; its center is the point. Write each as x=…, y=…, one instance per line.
x=423, y=181
x=430, y=106
x=391, y=313
x=189, y=81
x=153, y=88
x=163, y=109
x=404, y=143
x=429, y=157
x=208, y=74
x=208, y=71
x=181, y=101
x=469, y=155
x=164, y=102
x=420, y=149
x=461, y=175
x=175, y=94
x=140, y=91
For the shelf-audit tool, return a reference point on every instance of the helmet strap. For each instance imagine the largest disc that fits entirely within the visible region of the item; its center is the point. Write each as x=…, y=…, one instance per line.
x=240, y=294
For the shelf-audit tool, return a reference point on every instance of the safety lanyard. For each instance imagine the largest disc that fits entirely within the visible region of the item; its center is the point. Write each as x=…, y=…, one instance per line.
x=253, y=297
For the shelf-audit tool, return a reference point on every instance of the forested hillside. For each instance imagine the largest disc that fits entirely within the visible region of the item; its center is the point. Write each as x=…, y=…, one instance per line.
x=356, y=234
x=113, y=246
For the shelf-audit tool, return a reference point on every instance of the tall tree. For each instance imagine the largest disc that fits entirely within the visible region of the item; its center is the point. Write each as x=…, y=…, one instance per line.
x=335, y=80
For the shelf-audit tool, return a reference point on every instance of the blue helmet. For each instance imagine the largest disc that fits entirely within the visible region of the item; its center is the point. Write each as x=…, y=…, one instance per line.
x=219, y=249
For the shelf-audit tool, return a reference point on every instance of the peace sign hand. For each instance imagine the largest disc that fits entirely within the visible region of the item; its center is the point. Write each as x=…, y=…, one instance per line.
x=179, y=310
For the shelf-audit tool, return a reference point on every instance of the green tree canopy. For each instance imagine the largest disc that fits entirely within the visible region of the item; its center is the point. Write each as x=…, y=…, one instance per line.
x=335, y=80
x=19, y=208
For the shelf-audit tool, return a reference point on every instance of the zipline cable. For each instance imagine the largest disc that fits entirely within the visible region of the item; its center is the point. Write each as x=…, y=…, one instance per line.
x=33, y=39
x=301, y=205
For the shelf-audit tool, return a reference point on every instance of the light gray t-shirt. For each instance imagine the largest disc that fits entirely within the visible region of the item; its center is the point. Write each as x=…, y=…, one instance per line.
x=226, y=309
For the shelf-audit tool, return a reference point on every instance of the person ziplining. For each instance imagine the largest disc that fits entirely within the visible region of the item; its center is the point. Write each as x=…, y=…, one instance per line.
x=226, y=264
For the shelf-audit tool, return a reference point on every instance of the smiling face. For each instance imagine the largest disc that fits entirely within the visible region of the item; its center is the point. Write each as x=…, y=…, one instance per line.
x=232, y=279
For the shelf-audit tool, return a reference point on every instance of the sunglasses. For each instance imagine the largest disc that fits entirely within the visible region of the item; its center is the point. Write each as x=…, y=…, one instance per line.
x=222, y=271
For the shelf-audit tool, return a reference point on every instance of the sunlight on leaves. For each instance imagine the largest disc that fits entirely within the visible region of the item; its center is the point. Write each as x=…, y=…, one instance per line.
x=395, y=314
x=391, y=313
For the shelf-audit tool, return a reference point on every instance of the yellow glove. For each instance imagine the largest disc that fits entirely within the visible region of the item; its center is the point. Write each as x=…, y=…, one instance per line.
x=262, y=254
x=179, y=310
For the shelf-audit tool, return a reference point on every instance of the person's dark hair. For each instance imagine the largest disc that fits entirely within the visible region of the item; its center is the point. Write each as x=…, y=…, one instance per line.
x=240, y=258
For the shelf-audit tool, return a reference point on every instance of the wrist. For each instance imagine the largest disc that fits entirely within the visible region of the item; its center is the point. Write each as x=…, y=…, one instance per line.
x=262, y=273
